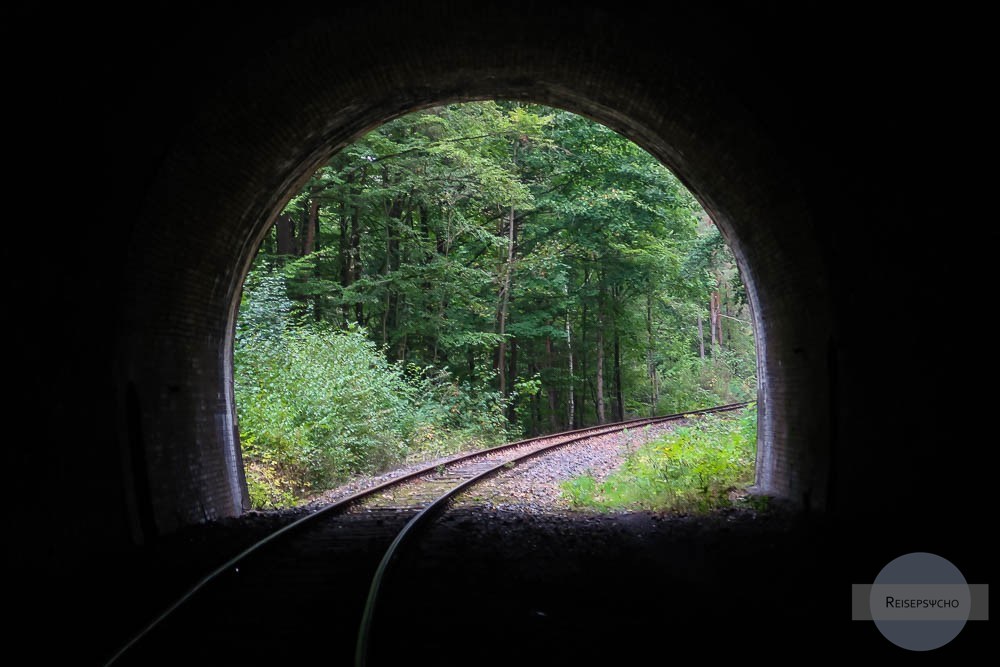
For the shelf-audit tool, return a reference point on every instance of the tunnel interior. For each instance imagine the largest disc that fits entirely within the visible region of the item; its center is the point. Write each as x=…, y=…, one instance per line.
x=810, y=154
x=193, y=247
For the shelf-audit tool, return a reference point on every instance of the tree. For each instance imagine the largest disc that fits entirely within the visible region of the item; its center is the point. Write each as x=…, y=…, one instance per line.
x=527, y=254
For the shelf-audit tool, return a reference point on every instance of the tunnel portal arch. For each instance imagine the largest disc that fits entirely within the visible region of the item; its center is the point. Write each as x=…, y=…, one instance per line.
x=283, y=109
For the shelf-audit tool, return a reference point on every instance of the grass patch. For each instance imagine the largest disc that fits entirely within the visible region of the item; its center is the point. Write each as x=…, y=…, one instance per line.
x=695, y=468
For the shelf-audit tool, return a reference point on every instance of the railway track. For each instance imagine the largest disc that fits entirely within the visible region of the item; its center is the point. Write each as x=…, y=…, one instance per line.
x=333, y=552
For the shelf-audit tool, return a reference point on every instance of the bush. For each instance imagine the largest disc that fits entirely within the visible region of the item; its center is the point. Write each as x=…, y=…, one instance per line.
x=692, y=468
x=317, y=405
x=694, y=383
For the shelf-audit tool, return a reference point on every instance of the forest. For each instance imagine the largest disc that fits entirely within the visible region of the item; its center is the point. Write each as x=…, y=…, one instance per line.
x=474, y=273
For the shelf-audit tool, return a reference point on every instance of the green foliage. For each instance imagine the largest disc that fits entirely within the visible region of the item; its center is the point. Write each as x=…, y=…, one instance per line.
x=447, y=416
x=271, y=485
x=691, y=384
x=580, y=490
x=318, y=405
x=698, y=467
x=525, y=388
x=464, y=242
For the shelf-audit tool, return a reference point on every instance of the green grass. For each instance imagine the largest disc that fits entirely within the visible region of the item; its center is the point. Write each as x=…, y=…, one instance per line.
x=694, y=468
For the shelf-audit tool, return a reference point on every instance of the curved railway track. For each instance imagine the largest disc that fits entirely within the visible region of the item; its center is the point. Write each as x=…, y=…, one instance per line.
x=383, y=519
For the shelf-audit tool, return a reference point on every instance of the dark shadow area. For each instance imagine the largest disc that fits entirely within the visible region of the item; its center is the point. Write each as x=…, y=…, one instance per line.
x=499, y=586
x=839, y=150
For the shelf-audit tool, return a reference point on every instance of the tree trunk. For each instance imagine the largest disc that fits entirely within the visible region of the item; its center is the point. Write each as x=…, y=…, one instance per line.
x=728, y=311
x=508, y=270
x=654, y=381
x=512, y=377
x=701, y=339
x=354, y=252
x=599, y=379
x=570, y=399
x=307, y=245
x=393, y=223
x=345, y=260
x=385, y=323
x=550, y=362
x=584, y=370
x=285, y=227
x=401, y=349
x=714, y=324
x=619, y=393
x=307, y=231
x=536, y=407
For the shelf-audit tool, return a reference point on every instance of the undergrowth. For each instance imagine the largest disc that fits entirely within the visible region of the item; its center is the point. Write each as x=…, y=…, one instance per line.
x=701, y=466
x=318, y=406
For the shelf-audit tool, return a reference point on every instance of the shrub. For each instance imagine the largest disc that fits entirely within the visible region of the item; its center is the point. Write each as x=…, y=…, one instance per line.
x=317, y=405
x=692, y=468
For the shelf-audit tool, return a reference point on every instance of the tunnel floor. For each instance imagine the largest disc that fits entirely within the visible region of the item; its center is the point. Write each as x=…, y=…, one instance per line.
x=491, y=587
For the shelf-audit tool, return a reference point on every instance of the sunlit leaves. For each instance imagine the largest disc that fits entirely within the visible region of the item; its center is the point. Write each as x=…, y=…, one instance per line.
x=413, y=247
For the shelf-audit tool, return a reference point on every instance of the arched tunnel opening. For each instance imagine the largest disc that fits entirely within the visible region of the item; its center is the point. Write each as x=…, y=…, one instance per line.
x=189, y=436
x=479, y=273
x=810, y=156
x=188, y=315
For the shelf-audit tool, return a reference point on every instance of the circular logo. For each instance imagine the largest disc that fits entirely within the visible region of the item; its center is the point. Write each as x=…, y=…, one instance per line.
x=920, y=601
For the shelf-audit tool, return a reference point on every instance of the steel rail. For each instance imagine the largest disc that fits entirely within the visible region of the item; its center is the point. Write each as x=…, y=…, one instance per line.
x=345, y=503
x=438, y=504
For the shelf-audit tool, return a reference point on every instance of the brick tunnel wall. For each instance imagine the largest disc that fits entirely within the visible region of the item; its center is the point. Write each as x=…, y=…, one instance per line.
x=196, y=127
x=227, y=176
